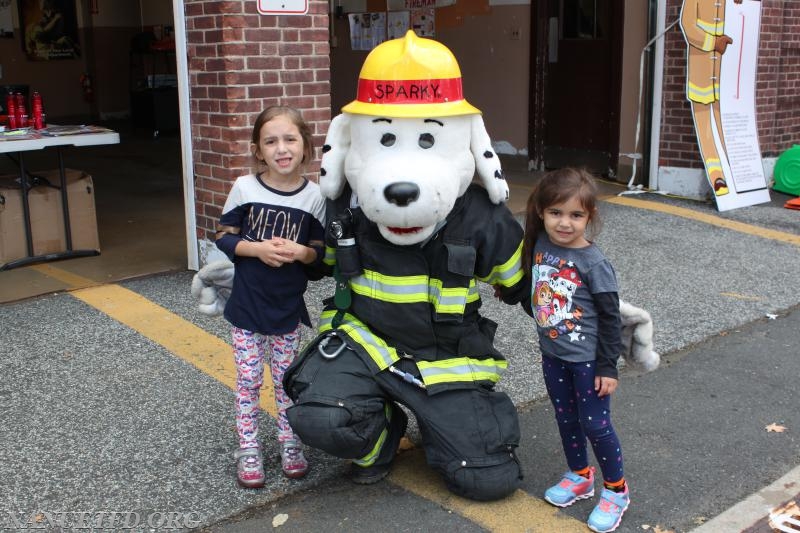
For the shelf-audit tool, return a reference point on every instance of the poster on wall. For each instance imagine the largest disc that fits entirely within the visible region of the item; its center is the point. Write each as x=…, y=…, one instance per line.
x=722, y=57
x=398, y=23
x=423, y=22
x=49, y=29
x=6, y=24
x=738, y=106
x=367, y=30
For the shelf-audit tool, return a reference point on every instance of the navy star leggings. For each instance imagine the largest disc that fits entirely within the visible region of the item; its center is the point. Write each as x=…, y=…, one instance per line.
x=580, y=414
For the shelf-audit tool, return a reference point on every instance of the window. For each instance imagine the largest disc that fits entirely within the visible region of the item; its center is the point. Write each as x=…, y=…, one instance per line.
x=583, y=19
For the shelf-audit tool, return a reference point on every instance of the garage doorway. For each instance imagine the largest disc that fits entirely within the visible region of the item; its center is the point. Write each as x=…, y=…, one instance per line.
x=575, y=88
x=139, y=185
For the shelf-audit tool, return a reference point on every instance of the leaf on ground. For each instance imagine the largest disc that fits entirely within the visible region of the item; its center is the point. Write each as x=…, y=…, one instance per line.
x=656, y=528
x=279, y=519
x=775, y=428
x=787, y=514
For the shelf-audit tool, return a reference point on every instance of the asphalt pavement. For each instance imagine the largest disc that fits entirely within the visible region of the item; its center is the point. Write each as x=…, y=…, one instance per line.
x=102, y=423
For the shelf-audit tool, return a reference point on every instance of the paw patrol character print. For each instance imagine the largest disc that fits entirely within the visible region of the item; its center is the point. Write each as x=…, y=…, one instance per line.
x=543, y=303
x=564, y=284
x=552, y=299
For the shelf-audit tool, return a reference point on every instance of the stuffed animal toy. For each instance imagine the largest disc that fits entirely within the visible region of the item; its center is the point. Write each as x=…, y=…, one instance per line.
x=409, y=238
x=212, y=285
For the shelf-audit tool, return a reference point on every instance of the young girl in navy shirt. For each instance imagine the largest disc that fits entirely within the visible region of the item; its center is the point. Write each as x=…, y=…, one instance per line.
x=271, y=226
x=576, y=308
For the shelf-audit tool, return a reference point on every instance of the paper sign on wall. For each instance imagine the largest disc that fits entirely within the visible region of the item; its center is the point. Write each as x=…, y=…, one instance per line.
x=283, y=7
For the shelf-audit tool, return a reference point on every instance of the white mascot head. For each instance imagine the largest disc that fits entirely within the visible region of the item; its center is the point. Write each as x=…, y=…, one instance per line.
x=409, y=145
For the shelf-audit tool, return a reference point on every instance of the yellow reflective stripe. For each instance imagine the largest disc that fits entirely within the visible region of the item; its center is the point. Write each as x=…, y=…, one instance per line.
x=507, y=274
x=713, y=164
x=473, y=295
x=414, y=289
x=450, y=300
x=703, y=95
x=369, y=459
x=330, y=256
x=458, y=369
x=381, y=353
x=708, y=43
x=393, y=289
x=714, y=28
x=461, y=369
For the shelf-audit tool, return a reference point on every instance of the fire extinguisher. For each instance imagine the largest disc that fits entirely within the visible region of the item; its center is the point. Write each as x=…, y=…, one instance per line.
x=86, y=85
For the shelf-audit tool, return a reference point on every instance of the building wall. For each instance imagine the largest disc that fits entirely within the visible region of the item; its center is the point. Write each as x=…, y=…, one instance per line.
x=239, y=63
x=777, y=94
x=494, y=64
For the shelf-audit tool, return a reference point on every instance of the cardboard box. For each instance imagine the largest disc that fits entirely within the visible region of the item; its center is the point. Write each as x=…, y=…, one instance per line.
x=47, y=221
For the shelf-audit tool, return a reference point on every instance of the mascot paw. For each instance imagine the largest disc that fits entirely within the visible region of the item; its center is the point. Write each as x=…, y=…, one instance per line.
x=211, y=286
x=637, y=338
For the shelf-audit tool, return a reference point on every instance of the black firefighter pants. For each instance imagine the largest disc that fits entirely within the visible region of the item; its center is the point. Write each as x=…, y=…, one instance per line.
x=342, y=408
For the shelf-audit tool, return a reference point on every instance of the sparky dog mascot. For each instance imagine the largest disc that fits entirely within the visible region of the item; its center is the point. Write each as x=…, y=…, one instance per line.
x=410, y=237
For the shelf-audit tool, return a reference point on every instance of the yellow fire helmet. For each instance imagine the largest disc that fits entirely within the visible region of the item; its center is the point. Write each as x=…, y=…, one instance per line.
x=410, y=77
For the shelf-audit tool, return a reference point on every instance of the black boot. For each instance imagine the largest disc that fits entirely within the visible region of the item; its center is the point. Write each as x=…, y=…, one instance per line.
x=367, y=475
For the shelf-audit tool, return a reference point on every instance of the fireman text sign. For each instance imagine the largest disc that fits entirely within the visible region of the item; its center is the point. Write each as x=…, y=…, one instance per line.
x=283, y=7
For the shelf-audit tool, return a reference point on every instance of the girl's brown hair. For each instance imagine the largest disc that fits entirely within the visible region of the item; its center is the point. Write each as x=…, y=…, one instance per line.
x=556, y=187
x=296, y=118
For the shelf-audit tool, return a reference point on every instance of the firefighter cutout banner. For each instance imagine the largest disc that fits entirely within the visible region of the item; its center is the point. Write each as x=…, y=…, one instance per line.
x=722, y=39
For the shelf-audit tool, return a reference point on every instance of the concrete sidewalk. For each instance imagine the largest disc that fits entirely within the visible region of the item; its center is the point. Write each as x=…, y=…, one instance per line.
x=98, y=417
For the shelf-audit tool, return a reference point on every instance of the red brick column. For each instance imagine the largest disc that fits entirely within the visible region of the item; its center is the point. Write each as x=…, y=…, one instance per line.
x=239, y=63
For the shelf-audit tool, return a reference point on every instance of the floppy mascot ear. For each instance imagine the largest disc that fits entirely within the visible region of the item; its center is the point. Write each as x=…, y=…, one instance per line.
x=487, y=163
x=334, y=152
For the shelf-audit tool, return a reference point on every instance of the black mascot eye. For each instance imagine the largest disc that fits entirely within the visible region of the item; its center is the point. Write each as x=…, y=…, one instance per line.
x=388, y=139
x=426, y=141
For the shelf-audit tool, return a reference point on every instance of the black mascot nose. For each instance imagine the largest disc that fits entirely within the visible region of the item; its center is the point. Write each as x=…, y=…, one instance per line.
x=401, y=193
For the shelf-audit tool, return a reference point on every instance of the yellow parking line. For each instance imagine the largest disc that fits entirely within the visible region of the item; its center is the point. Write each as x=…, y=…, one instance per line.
x=713, y=220
x=207, y=352
x=68, y=278
x=520, y=512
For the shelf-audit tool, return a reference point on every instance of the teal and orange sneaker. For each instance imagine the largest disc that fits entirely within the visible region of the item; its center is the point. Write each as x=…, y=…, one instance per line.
x=570, y=489
x=609, y=510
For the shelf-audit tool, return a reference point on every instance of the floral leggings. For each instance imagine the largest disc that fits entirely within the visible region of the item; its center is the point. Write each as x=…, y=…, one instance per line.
x=250, y=350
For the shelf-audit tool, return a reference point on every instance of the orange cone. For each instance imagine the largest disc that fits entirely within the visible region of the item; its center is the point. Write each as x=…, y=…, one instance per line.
x=793, y=204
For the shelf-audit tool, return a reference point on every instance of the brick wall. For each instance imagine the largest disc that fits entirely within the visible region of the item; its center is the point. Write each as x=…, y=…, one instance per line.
x=777, y=86
x=239, y=63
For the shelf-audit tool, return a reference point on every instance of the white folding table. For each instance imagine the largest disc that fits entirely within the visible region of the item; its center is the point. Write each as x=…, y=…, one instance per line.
x=39, y=142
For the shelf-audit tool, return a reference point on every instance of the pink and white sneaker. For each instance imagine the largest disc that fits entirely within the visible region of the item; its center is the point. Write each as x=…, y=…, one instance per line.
x=249, y=467
x=293, y=462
